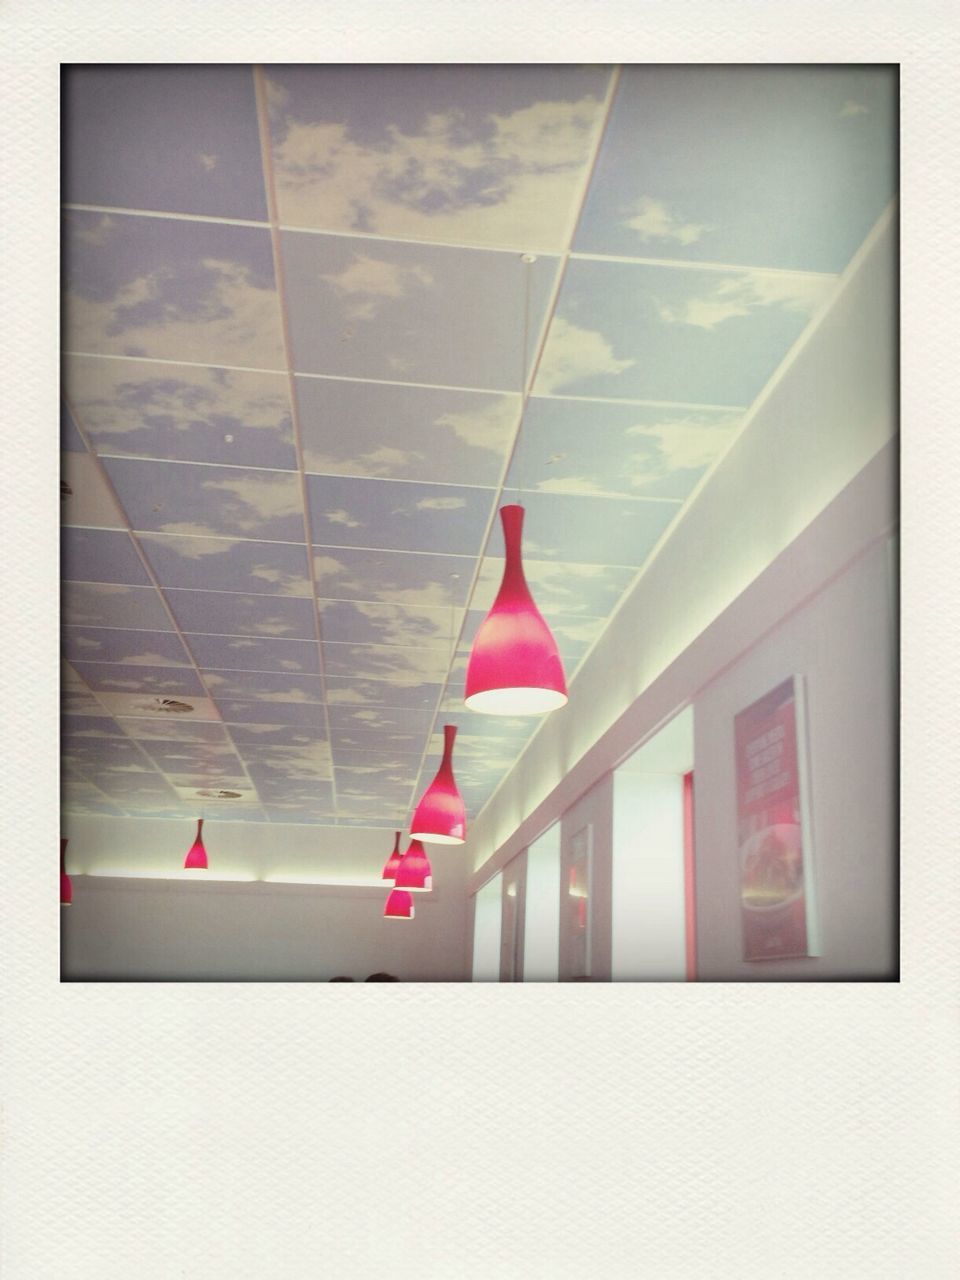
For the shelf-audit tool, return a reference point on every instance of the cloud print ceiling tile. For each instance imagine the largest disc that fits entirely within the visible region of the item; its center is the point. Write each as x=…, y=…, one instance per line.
x=391, y=577
x=410, y=312
x=109, y=604
x=387, y=624
x=318, y=454
x=171, y=497
x=410, y=517
x=618, y=450
x=143, y=648
x=224, y=613
x=135, y=408
x=248, y=653
x=472, y=155
x=222, y=564
x=100, y=555
x=170, y=289
x=766, y=166
x=405, y=433
x=111, y=677
x=164, y=138
x=682, y=335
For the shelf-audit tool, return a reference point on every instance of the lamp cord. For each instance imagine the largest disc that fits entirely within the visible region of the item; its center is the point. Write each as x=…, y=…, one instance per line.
x=528, y=261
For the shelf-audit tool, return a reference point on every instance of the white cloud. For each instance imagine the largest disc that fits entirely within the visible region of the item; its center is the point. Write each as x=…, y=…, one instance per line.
x=192, y=547
x=239, y=322
x=514, y=186
x=744, y=294
x=152, y=660
x=573, y=353
x=488, y=426
x=654, y=221
x=209, y=162
x=851, y=108
x=367, y=283
x=385, y=460
x=441, y=504
x=81, y=642
x=680, y=445
x=95, y=233
x=261, y=496
x=573, y=484
x=287, y=584
x=342, y=517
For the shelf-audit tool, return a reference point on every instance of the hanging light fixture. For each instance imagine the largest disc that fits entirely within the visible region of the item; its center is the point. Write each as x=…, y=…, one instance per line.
x=414, y=872
x=196, y=859
x=390, y=867
x=66, y=886
x=441, y=816
x=515, y=667
x=399, y=905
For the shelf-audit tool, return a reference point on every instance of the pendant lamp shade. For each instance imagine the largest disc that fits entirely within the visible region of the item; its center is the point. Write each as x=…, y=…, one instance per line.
x=414, y=873
x=514, y=667
x=196, y=859
x=390, y=866
x=441, y=816
x=66, y=887
x=399, y=906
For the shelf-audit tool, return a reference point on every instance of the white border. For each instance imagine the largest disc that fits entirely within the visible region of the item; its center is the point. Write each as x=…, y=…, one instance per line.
x=259, y=1131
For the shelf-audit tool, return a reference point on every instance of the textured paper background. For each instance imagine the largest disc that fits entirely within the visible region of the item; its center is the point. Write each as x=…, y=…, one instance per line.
x=298, y=1130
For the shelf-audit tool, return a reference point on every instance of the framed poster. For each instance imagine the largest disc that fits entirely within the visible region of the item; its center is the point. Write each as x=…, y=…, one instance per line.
x=773, y=826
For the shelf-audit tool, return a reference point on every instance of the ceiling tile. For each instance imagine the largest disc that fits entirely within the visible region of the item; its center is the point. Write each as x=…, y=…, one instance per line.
x=79, y=703
x=465, y=154
x=244, y=653
x=387, y=624
x=595, y=447
x=170, y=289
x=108, y=645
x=100, y=555
x=262, y=686
x=388, y=761
x=144, y=729
x=174, y=710
x=73, y=726
x=240, y=711
x=110, y=677
x=388, y=663
x=344, y=692
x=182, y=498
x=98, y=604
x=674, y=334
x=390, y=513
x=393, y=577
x=411, y=312
x=777, y=166
x=406, y=433
x=183, y=139
x=350, y=744
x=275, y=735
x=134, y=408
x=106, y=754
x=223, y=613
x=558, y=587
x=347, y=719
x=301, y=762
x=222, y=564
x=85, y=496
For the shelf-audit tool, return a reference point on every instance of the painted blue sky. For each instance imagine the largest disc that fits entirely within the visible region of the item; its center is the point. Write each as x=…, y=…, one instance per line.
x=178, y=138
x=779, y=166
x=135, y=408
x=309, y=443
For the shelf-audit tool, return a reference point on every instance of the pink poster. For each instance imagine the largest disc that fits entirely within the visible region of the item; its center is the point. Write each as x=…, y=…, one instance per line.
x=774, y=862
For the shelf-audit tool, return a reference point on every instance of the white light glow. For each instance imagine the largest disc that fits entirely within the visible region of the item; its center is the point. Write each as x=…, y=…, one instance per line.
x=428, y=837
x=516, y=702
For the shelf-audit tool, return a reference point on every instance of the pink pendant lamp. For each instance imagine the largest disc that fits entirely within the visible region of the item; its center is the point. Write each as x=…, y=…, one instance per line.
x=66, y=887
x=390, y=867
x=441, y=816
x=414, y=873
x=514, y=667
x=399, y=906
x=196, y=859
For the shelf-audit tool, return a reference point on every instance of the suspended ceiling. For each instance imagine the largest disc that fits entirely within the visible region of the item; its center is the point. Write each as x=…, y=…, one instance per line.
x=294, y=357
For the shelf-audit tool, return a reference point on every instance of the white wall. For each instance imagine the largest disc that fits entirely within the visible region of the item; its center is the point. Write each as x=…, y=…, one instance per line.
x=594, y=811
x=176, y=931
x=487, y=913
x=649, y=933
x=842, y=642
x=542, y=908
